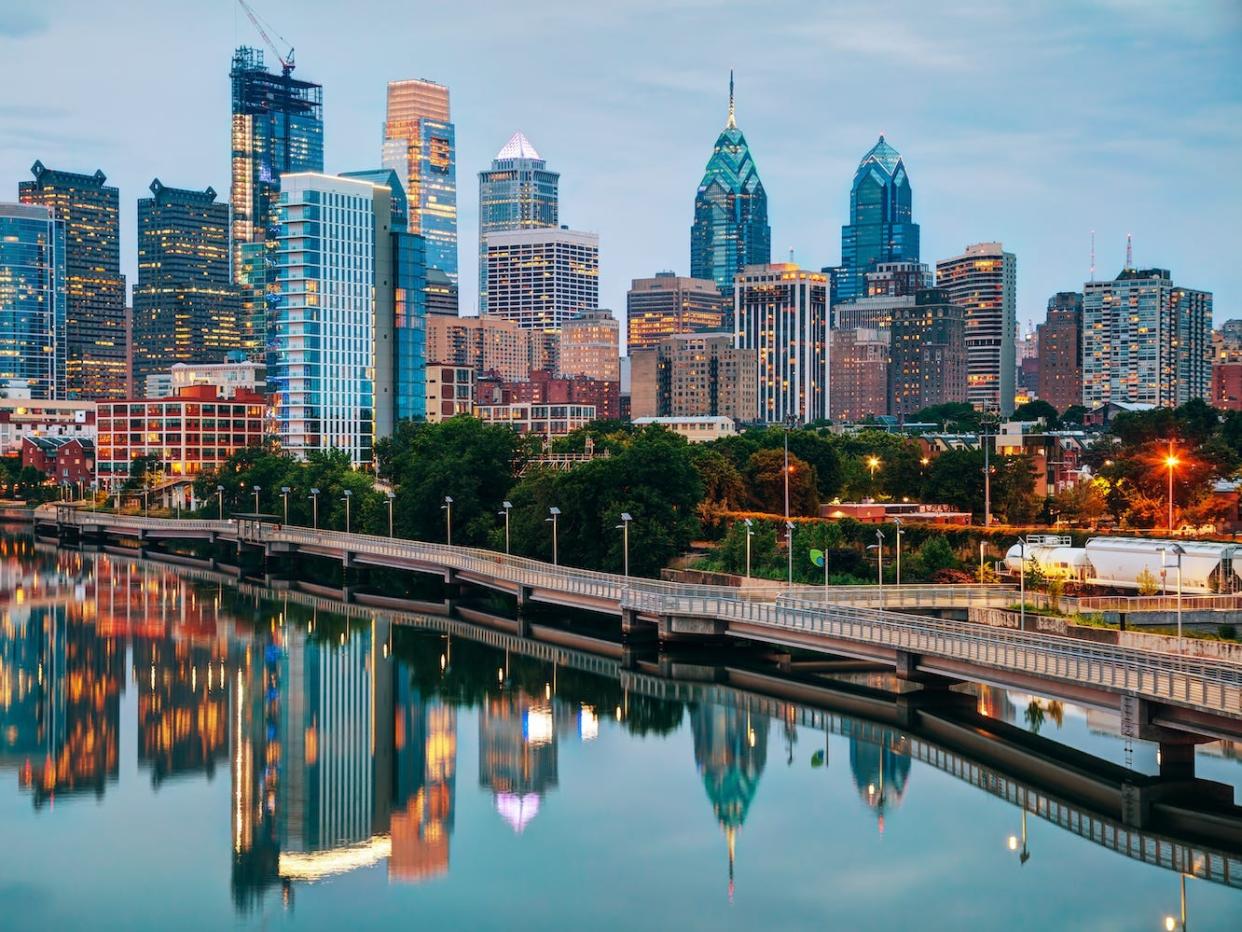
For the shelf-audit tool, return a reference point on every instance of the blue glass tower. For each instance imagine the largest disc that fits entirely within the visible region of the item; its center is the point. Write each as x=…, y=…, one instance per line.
x=881, y=227
x=32, y=300
x=730, y=228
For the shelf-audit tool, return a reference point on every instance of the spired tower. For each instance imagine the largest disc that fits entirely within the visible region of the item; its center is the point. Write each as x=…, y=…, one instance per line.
x=881, y=227
x=730, y=228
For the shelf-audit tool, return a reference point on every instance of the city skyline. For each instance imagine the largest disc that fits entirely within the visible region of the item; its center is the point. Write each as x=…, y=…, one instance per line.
x=998, y=163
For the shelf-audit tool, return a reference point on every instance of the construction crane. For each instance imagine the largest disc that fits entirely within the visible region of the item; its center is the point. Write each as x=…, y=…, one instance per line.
x=286, y=61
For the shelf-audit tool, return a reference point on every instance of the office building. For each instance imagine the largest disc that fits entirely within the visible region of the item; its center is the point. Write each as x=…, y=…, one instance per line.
x=730, y=228
x=544, y=388
x=32, y=302
x=889, y=286
x=881, y=227
x=186, y=308
x=330, y=366
x=518, y=192
x=668, y=304
x=984, y=281
x=695, y=375
x=859, y=386
x=927, y=353
x=1059, y=340
x=449, y=391
x=420, y=145
x=542, y=277
x=441, y=294
x=782, y=314
x=96, y=339
x=1145, y=340
x=591, y=346
x=488, y=345
x=277, y=128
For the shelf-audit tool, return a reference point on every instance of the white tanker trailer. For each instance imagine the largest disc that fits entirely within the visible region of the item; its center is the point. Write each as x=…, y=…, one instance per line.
x=1117, y=562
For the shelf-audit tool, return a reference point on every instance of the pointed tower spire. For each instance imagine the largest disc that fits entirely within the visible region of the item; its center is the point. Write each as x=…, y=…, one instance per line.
x=732, y=123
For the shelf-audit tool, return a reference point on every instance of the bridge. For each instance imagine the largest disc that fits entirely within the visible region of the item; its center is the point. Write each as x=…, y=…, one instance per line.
x=1174, y=699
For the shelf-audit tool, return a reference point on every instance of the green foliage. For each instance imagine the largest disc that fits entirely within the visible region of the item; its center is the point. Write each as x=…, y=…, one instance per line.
x=723, y=486
x=765, y=556
x=1034, y=410
x=933, y=556
x=765, y=477
x=954, y=415
x=1147, y=582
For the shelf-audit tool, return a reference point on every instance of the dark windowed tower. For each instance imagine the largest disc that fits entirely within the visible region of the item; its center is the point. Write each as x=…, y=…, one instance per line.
x=186, y=309
x=277, y=129
x=730, y=228
x=96, y=340
x=881, y=227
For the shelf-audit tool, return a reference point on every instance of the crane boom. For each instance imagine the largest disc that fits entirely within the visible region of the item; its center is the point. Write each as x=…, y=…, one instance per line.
x=286, y=61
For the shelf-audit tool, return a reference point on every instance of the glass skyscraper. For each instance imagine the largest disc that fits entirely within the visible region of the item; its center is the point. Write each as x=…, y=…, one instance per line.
x=277, y=129
x=186, y=308
x=730, y=228
x=96, y=338
x=32, y=301
x=517, y=193
x=420, y=145
x=881, y=228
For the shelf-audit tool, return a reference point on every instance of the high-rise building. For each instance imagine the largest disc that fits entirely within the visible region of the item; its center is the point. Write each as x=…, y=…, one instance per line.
x=489, y=345
x=96, y=340
x=542, y=277
x=420, y=145
x=695, y=375
x=1145, y=340
x=859, y=386
x=782, y=314
x=186, y=308
x=881, y=227
x=32, y=302
x=590, y=346
x=927, y=353
x=984, y=281
x=517, y=193
x=730, y=228
x=1227, y=386
x=889, y=286
x=330, y=364
x=660, y=307
x=1060, y=351
x=1227, y=342
x=277, y=128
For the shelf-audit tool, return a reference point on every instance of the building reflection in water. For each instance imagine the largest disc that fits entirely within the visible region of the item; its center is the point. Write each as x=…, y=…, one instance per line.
x=730, y=750
x=425, y=754
x=517, y=753
x=880, y=765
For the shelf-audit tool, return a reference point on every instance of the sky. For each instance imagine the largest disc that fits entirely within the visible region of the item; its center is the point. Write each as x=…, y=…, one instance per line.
x=1032, y=124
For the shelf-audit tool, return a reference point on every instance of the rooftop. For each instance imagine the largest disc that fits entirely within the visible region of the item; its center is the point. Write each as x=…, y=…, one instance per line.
x=518, y=147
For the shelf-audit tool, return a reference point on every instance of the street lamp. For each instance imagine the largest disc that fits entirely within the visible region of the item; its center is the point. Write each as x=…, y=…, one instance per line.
x=750, y=532
x=1014, y=841
x=897, y=521
x=982, y=546
x=508, y=507
x=555, y=513
x=1172, y=462
x=873, y=463
x=447, y=508
x=1021, y=583
x=314, y=497
x=879, y=562
x=220, y=500
x=345, y=498
x=624, y=527
x=257, y=490
x=1178, y=551
x=1172, y=923
x=390, y=497
x=284, y=497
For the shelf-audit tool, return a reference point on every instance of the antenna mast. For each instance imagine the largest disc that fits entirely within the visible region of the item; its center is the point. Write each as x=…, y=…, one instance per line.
x=1093, y=255
x=1129, y=250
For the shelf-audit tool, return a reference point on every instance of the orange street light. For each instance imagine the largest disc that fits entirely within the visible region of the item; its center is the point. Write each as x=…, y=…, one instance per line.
x=873, y=463
x=1172, y=462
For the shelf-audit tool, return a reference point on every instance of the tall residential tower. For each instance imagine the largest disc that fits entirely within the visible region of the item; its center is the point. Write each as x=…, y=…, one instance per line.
x=984, y=281
x=32, y=301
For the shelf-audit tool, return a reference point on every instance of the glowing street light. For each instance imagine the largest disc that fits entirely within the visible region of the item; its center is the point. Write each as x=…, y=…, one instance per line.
x=555, y=513
x=1014, y=841
x=1171, y=462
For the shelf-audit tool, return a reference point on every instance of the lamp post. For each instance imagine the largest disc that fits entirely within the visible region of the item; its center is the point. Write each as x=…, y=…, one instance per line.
x=220, y=500
x=897, y=521
x=750, y=532
x=1171, y=461
x=1172, y=923
x=1021, y=583
x=879, y=563
x=1024, y=855
x=624, y=527
x=982, y=546
x=284, y=497
x=1177, y=550
x=314, y=497
x=257, y=489
x=873, y=463
x=447, y=508
x=345, y=498
x=390, y=498
x=788, y=524
x=508, y=507
x=555, y=513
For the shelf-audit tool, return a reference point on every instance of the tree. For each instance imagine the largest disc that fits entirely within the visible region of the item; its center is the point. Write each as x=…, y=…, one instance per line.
x=1082, y=504
x=934, y=555
x=723, y=487
x=957, y=415
x=1034, y=410
x=765, y=476
x=730, y=554
x=1073, y=416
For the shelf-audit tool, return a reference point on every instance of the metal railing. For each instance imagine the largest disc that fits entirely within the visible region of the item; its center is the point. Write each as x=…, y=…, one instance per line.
x=1153, y=603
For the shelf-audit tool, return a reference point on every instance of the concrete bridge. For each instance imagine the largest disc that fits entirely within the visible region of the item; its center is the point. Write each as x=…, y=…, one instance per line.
x=1174, y=699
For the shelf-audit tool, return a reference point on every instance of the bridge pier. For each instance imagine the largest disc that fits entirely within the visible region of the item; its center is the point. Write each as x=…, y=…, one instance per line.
x=907, y=670
x=452, y=587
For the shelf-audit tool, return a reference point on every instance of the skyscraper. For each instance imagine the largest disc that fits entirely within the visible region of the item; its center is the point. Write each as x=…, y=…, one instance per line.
x=881, y=228
x=668, y=304
x=95, y=336
x=859, y=373
x=420, y=146
x=1059, y=340
x=517, y=193
x=277, y=128
x=541, y=278
x=330, y=363
x=984, y=281
x=730, y=228
x=32, y=301
x=782, y=314
x=695, y=375
x=927, y=353
x=186, y=308
x=1145, y=340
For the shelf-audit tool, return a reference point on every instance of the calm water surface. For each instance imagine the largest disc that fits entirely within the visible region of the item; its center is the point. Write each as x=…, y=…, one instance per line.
x=178, y=754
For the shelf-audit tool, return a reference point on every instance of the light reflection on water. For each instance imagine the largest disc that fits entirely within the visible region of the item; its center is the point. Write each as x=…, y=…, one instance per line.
x=174, y=752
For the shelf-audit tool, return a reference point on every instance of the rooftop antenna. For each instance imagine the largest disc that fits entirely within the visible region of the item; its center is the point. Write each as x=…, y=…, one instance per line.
x=1129, y=250
x=1093, y=255
x=732, y=124
x=791, y=258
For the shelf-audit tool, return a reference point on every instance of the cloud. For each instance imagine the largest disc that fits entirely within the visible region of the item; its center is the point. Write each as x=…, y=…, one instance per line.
x=21, y=22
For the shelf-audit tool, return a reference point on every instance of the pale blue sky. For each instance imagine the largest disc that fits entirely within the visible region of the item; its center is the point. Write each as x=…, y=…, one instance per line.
x=1028, y=123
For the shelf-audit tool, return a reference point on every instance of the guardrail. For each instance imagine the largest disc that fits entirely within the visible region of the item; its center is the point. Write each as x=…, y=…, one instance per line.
x=1153, y=603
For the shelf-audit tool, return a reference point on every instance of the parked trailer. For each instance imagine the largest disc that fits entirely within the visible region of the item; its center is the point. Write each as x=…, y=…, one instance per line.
x=1118, y=562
